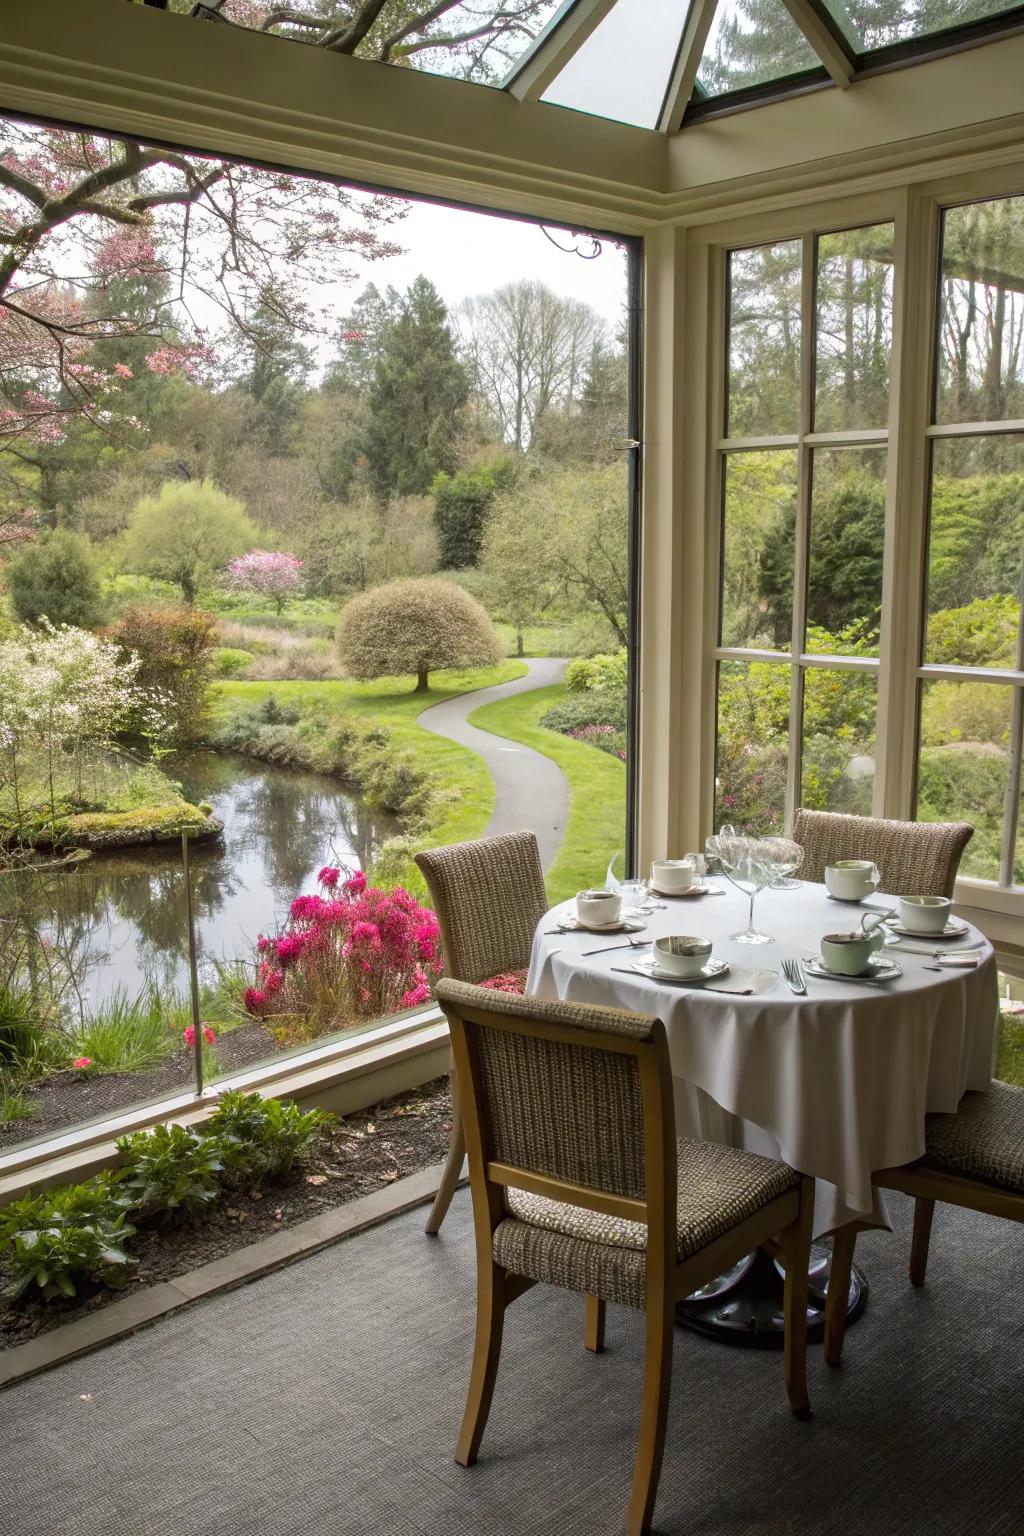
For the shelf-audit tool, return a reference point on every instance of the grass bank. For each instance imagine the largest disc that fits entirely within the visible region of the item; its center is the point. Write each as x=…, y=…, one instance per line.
x=597, y=787
x=465, y=790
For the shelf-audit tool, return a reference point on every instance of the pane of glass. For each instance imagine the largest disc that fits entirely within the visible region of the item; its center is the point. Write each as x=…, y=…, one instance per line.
x=622, y=70
x=750, y=43
x=838, y=741
x=896, y=21
x=753, y=745
x=757, y=550
x=963, y=764
x=854, y=328
x=1010, y=1064
x=981, y=321
x=844, y=591
x=1018, y=855
x=465, y=39
x=764, y=340
x=975, y=552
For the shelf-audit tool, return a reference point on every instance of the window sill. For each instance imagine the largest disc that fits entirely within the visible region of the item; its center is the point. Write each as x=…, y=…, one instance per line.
x=343, y=1076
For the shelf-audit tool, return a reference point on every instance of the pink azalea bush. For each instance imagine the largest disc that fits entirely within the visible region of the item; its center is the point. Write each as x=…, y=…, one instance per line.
x=352, y=951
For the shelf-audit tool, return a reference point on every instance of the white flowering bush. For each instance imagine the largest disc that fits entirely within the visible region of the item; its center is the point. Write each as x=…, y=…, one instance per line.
x=63, y=694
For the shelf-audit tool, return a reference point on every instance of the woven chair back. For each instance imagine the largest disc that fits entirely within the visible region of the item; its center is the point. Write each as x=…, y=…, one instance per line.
x=489, y=896
x=914, y=858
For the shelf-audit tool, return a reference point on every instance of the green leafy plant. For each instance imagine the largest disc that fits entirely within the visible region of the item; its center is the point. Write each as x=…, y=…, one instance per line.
x=128, y=1034
x=56, y=1241
x=170, y=1171
x=262, y=1138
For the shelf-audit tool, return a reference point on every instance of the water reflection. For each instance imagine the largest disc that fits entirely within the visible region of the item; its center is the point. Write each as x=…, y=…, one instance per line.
x=119, y=920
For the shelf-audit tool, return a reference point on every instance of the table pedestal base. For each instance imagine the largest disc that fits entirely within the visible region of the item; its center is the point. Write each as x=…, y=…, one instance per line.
x=744, y=1305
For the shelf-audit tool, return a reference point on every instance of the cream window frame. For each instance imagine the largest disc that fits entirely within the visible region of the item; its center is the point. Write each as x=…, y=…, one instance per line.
x=916, y=211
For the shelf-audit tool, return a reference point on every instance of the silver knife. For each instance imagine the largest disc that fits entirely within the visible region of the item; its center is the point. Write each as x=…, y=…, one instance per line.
x=643, y=944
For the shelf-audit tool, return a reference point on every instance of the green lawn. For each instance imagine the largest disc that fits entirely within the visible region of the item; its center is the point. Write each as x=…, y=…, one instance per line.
x=597, y=787
x=393, y=703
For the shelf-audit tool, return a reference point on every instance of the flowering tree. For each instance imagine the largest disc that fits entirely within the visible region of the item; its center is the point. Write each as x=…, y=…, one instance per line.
x=350, y=952
x=63, y=691
x=273, y=574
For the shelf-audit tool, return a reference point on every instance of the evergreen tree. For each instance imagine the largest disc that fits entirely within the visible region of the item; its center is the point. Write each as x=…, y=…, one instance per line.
x=462, y=503
x=416, y=399
x=55, y=579
x=361, y=337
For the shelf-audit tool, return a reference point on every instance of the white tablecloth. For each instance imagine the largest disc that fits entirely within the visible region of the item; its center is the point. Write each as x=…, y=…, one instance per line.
x=836, y=1084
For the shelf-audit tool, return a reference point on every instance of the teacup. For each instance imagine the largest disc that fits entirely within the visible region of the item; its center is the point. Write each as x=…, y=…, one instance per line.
x=674, y=874
x=852, y=879
x=681, y=954
x=597, y=908
x=850, y=953
x=925, y=914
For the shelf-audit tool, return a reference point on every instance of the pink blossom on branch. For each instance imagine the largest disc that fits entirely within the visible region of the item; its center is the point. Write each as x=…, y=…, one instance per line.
x=274, y=574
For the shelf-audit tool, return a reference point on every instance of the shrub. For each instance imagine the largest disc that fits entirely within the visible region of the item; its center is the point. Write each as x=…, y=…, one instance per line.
x=170, y=1170
x=175, y=651
x=417, y=626
x=185, y=533
x=597, y=706
x=55, y=579
x=229, y=659
x=462, y=503
x=68, y=1235
x=350, y=952
x=587, y=673
x=261, y=1138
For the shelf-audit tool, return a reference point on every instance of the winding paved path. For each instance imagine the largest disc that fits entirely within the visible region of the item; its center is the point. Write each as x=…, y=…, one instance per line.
x=530, y=791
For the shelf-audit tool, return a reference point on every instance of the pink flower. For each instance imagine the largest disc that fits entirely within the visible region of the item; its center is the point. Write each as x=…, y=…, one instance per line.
x=355, y=885
x=328, y=877
x=255, y=1001
x=189, y=1035
x=416, y=995
x=306, y=907
x=273, y=981
x=263, y=944
x=289, y=948
x=81, y=1062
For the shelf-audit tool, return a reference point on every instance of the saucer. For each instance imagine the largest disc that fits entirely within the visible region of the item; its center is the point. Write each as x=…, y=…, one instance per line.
x=691, y=890
x=575, y=924
x=955, y=929
x=877, y=970
x=709, y=972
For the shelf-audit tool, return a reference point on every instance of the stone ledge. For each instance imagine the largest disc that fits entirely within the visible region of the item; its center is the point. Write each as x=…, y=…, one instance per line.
x=133, y=1312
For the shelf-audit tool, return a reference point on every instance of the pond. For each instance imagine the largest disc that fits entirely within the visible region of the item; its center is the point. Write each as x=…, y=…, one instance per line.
x=122, y=916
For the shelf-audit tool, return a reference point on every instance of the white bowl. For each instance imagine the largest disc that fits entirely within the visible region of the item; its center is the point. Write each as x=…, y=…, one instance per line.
x=681, y=954
x=598, y=906
x=925, y=914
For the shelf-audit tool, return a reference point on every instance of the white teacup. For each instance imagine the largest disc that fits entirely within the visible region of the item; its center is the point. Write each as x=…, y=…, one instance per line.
x=925, y=914
x=598, y=907
x=852, y=879
x=681, y=954
x=674, y=874
x=849, y=953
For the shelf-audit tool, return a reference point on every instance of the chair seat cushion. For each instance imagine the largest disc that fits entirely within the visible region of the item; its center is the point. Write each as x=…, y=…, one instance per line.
x=567, y=1245
x=984, y=1139
x=508, y=981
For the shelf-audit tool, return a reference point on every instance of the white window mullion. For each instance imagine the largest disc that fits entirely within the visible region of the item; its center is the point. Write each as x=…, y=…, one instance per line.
x=802, y=532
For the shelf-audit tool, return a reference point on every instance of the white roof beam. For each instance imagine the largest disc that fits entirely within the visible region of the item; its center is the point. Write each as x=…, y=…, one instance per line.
x=824, y=37
x=560, y=40
x=684, y=75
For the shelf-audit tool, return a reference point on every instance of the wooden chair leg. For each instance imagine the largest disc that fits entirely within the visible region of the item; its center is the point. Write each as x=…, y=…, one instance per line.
x=490, y=1321
x=838, y=1295
x=453, y=1163
x=797, y=1245
x=653, y=1418
x=594, y=1335
x=924, y=1210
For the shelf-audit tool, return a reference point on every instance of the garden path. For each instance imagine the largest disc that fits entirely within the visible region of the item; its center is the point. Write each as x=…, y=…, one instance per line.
x=530, y=791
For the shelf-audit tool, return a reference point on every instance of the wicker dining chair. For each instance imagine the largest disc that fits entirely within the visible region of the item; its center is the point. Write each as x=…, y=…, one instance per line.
x=578, y=1181
x=974, y=1159
x=914, y=858
x=488, y=897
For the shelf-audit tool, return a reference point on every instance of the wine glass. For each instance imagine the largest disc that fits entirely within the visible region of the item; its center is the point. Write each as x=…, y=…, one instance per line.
x=747, y=862
x=787, y=857
x=634, y=890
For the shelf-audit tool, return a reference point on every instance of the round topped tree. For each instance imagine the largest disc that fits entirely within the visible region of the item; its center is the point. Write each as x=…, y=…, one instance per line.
x=415, y=625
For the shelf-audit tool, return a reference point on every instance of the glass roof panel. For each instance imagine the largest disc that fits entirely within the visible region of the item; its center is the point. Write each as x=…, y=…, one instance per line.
x=481, y=40
x=622, y=70
x=750, y=43
x=880, y=23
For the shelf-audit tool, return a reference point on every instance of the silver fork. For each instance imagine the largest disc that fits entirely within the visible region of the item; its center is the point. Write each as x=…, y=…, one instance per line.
x=794, y=977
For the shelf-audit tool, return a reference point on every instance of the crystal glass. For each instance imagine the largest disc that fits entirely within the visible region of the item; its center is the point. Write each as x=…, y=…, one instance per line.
x=749, y=864
x=787, y=857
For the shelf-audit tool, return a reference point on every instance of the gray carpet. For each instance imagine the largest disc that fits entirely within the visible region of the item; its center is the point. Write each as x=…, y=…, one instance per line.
x=325, y=1400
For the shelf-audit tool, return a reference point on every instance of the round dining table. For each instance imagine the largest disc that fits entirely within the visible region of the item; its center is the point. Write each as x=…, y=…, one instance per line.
x=836, y=1082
